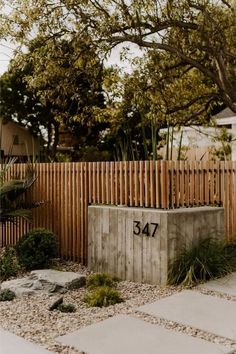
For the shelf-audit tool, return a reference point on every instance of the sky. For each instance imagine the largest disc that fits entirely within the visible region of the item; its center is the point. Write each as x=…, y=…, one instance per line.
x=6, y=53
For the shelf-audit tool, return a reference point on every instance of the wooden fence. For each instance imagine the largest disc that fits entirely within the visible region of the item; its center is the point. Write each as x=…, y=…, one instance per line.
x=68, y=188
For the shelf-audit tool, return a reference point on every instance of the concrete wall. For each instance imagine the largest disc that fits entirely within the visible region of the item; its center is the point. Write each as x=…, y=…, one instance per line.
x=116, y=246
x=28, y=145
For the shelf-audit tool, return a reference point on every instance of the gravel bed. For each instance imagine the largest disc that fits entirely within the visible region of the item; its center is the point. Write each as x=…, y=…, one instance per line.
x=29, y=316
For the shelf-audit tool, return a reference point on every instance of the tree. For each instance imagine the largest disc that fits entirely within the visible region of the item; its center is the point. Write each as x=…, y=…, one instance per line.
x=197, y=33
x=62, y=81
x=21, y=103
x=158, y=95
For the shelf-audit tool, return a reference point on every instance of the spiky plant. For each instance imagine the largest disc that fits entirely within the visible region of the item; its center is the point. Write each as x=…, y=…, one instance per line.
x=12, y=191
x=210, y=258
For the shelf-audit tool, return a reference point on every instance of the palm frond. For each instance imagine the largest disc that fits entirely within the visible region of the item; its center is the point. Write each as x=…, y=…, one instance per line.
x=18, y=213
x=4, y=169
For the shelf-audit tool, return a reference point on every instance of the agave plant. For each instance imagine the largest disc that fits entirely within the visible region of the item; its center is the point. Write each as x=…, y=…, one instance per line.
x=12, y=191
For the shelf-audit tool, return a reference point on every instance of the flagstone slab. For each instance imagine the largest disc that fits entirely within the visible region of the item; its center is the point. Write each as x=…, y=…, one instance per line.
x=12, y=344
x=127, y=335
x=208, y=313
x=226, y=285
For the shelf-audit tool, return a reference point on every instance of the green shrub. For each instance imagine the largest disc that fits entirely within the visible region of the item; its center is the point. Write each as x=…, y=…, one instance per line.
x=36, y=249
x=7, y=295
x=102, y=296
x=100, y=279
x=9, y=266
x=66, y=308
x=209, y=258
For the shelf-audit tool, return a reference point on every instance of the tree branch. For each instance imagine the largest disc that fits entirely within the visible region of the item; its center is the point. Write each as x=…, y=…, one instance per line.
x=168, y=48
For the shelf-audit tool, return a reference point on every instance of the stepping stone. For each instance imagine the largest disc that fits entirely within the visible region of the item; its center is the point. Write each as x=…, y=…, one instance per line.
x=226, y=285
x=208, y=313
x=126, y=335
x=12, y=344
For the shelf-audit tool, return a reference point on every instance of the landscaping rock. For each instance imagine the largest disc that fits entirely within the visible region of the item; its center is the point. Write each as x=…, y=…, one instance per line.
x=56, y=303
x=53, y=280
x=45, y=281
x=20, y=287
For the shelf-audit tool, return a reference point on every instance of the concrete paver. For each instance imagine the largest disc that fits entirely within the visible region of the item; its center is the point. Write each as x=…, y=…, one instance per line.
x=226, y=285
x=208, y=313
x=12, y=344
x=126, y=335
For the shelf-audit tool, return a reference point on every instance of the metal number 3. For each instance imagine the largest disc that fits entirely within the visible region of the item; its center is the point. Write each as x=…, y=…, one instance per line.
x=137, y=228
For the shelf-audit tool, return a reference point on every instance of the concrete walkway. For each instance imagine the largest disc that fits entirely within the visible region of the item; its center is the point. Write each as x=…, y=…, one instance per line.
x=226, y=285
x=128, y=335
x=12, y=344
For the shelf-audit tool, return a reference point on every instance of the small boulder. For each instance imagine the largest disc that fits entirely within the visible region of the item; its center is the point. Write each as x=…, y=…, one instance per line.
x=20, y=287
x=56, y=303
x=54, y=280
x=45, y=281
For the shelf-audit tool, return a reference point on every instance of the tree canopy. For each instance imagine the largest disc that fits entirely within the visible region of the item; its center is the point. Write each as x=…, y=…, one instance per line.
x=197, y=33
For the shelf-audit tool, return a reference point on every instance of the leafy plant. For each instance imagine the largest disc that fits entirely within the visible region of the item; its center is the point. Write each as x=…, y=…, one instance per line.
x=9, y=266
x=209, y=258
x=102, y=297
x=100, y=279
x=36, y=249
x=66, y=308
x=7, y=295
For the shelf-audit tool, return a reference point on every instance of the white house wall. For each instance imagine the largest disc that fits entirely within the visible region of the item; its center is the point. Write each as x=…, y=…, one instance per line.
x=196, y=143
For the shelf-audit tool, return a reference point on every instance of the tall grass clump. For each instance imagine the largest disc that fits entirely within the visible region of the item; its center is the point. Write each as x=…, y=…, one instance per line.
x=210, y=258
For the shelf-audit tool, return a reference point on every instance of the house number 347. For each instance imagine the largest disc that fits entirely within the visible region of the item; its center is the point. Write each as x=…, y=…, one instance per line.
x=149, y=229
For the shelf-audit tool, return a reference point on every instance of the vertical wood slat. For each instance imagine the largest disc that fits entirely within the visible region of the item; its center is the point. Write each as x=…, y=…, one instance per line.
x=131, y=184
x=152, y=185
x=181, y=183
x=157, y=180
x=196, y=184
x=187, y=185
x=177, y=184
x=164, y=181
x=146, y=184
x=201, y=183
x=121, y=183
x=233, y=213
x=136, y=184
x=117, y=184
x=112, y=183
x=69, y=187
x=141, y=184
x=126, y=183
x=85, y=202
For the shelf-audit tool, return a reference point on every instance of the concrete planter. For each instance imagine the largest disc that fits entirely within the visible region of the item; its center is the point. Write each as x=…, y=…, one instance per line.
x=138, y=244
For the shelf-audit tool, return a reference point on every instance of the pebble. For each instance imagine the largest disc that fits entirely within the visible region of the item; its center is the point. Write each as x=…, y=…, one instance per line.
x=30, y=318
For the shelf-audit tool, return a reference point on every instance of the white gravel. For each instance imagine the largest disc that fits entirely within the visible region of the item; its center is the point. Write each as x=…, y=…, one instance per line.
x=29, y=317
